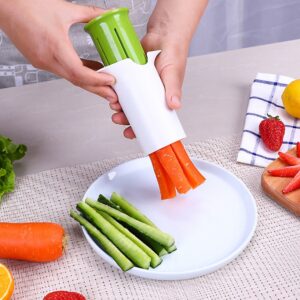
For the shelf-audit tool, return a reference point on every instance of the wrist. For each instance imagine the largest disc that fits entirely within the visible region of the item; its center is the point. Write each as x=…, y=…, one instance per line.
x=162, y=23
x=171, y=42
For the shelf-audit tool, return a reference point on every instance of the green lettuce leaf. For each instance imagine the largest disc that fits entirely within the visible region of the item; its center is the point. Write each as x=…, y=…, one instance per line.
x=9, y=152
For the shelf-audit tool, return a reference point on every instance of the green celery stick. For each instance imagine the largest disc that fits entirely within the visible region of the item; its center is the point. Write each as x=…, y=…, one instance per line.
x=133, y=212
x=129, y=209
x=124, y=263
x=171, y=249
x=129, y=248
x=156, y=247
x=152, y=232
x=155, y=259
x=104, y=200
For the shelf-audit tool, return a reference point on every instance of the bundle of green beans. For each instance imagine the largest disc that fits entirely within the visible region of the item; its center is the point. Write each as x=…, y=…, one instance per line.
x=123, y=232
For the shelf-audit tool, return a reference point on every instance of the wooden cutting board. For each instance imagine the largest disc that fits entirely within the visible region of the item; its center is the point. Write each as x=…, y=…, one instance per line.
x=273, y=186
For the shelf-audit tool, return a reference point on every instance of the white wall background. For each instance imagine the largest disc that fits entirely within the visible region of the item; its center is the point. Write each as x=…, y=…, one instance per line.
x=233, y=24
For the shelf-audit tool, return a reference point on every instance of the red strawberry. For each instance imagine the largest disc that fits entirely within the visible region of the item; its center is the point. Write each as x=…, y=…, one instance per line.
x=64, y=295
x=293, y=185
x=289, y=159
x=289, y=171
x=272, y=131
x=298, y=149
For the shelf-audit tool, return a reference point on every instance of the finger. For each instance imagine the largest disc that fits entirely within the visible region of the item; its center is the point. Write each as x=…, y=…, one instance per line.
x=172, y=80
x=92, y=64
x=105, y=92
x=115, y=106
x=81, y=75
x=128, y=133
x=149, y=42
x=84, y=13
x=119, y=118
x=78, y=74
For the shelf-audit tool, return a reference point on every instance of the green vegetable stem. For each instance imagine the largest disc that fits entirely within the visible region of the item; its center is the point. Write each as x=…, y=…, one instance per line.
x=132, y=211
x=157, y=248
x=124, y=263
x=155, y=259
x=127, y=246
x=152, y=232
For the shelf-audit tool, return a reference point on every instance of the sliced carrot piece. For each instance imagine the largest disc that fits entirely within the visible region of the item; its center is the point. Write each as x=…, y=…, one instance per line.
x=289, y=159
x=298, y=149
x=191, y=172
x=289, y=171
x=166, y=186
x=172, y=167
x=293, y=185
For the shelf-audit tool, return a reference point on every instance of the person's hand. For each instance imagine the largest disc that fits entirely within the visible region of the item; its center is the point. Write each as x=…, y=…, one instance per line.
x=170, y=65
x=39, y=29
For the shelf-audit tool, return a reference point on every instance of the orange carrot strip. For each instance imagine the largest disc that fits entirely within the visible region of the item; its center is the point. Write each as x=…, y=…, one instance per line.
x=166, y=186
x=289, y=159
x=191, y=172
x=37, y=242
x=172, y=167
x=293, y=185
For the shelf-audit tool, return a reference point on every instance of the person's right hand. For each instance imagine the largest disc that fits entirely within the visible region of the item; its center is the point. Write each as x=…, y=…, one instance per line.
x=39, y=29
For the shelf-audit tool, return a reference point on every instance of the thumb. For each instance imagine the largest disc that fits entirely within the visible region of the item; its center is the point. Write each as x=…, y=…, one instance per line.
x=84, y=13
x=172, y=80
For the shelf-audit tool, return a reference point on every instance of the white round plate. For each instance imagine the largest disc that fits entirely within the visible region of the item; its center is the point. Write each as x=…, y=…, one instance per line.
x=211, y=224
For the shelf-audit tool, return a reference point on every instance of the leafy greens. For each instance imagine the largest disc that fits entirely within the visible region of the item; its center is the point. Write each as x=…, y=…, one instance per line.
x=9, y=152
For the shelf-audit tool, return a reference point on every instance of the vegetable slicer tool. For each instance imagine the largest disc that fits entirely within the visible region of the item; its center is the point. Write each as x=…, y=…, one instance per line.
x=115, y=38
x=142, y=96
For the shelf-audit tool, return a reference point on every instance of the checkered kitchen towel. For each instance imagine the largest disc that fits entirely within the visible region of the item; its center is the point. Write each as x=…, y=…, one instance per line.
x=265, y=98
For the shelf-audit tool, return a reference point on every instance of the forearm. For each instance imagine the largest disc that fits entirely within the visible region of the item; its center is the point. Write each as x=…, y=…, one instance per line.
x=176, y=19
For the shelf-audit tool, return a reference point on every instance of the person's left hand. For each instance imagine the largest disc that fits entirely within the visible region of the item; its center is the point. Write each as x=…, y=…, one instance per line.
x=170, y=65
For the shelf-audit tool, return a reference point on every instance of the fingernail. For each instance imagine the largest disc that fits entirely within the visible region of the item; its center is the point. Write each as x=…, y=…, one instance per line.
x=115, y=106
x=111, y=82
x=111, y=99
x=176, y=101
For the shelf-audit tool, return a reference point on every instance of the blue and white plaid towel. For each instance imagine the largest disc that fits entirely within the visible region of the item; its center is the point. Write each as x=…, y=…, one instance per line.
x=265, y=98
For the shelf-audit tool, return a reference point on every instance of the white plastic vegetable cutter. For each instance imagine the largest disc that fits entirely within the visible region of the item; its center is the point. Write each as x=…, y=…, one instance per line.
x=138, y=84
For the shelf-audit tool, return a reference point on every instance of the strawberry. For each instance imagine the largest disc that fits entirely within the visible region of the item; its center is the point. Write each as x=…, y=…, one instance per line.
x=298, y=149
x=289, y=171
x=293, y=185
x=271, y=132
x=64, y=295
x=289, y=159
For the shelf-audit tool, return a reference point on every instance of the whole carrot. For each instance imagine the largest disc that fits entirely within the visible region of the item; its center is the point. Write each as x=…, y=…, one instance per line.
x=36, y=242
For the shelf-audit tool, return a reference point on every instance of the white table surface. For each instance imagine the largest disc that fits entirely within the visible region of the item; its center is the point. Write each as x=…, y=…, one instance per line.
x=63, y=125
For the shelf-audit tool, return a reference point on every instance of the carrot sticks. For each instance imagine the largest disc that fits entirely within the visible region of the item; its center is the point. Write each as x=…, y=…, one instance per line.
x=166, y=186
x=172, y=167
x=191, y=172
x=174, y=170
x=293, y=185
